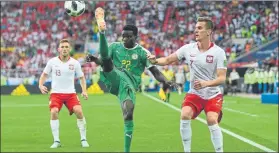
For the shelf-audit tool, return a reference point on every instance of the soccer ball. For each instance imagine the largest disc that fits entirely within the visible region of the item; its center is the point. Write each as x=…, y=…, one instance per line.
x=74, y=8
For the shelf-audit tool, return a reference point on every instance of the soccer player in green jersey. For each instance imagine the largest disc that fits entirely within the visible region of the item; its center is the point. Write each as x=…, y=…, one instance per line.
x=123, y=63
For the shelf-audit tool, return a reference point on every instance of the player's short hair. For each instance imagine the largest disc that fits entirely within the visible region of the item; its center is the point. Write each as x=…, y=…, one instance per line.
x=132, y=28
x=208, y=21
x=65, y=41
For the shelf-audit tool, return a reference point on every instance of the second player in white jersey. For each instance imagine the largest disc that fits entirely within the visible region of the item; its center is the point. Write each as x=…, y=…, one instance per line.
x=63, y=74
x=203, y=66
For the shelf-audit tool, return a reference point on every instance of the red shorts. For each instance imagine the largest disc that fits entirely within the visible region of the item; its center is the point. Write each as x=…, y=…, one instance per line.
x=198, y=104
x=58, y=99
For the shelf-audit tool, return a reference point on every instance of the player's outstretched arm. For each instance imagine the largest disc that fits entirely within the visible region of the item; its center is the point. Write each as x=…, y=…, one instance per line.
x=91, y=58
x=160, y=77
x=83, y=87
x=163, y=60
x=42, y=80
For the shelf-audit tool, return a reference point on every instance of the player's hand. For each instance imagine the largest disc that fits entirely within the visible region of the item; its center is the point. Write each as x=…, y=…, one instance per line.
x=91, y=58
x=172, y=85
x=199, y=84
x=43, y=89
x=151, y=58
x=84, y=95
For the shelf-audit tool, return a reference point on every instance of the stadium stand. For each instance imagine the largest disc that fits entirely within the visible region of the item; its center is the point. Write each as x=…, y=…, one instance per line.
x=30, y=30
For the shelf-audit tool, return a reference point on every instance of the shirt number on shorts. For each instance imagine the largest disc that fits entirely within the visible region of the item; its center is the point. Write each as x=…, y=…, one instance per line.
x=58, y=73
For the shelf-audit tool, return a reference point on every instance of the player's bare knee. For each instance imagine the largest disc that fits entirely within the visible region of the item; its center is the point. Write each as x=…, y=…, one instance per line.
x=212, y=119
x=128, y=109
x=54, y=113
x=186, y=113
x=78, y=111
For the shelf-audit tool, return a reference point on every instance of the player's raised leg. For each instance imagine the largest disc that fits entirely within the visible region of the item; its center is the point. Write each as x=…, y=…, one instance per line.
x=104, y=51
x=128, y=110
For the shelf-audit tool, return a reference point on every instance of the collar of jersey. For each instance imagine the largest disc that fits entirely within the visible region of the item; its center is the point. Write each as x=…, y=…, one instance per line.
x=130, y=48
x=63, y=61
x=210, y=46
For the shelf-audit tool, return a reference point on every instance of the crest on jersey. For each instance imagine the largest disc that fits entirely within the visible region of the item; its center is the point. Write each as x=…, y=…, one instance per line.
x=71, y=67
x=209, y=59
x=135, y=56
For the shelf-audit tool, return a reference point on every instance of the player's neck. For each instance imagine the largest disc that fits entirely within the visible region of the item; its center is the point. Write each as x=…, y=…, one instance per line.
x=204, y=45
x=64, y=58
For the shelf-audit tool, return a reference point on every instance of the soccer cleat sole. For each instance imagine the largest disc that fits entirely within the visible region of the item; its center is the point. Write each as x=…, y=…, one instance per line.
x=100, y=18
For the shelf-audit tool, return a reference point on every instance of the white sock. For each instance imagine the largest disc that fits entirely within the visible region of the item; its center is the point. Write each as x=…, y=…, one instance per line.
x=81, y=123
x=186, y=134
x=54, y=124
x=179, y=90
x=216, y=137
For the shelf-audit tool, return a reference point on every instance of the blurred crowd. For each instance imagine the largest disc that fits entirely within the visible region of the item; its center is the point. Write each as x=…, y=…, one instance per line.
x=30, y=31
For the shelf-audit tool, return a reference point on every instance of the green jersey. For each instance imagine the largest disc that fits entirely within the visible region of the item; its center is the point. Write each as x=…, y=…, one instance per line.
x=130, y=61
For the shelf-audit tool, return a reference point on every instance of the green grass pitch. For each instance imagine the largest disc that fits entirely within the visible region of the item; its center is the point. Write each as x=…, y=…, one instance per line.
x=25, y=125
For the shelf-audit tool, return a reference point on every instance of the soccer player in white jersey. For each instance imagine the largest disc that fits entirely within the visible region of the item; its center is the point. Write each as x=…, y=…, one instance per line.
x=63, y=70
x=207, y=63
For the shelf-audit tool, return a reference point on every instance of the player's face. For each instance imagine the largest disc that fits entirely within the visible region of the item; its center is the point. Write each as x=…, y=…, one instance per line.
x=64, y=49
x=201, y=32
x=128, y=38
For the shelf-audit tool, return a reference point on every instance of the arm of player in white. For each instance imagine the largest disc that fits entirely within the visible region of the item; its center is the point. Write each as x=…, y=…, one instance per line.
x=44, y=76
x=163, y=60
x=41, y=83
x=82, y=80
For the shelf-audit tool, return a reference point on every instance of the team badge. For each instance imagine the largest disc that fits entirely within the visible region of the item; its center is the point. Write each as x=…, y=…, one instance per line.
x=71, y=67
x=134, y=56
x=209, y=59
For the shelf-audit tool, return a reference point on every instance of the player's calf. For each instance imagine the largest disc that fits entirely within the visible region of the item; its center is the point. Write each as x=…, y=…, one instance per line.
x=128, y=109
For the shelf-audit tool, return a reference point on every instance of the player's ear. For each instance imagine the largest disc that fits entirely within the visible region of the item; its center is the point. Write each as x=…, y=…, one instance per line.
x=136, y=38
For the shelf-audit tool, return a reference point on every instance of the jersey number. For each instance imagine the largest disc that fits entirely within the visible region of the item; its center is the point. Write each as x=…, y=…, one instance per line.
x=58, y=73
x=126, y=63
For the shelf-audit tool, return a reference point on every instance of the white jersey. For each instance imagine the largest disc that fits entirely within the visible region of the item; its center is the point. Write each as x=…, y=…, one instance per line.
x=203, y=66
x=63, y=74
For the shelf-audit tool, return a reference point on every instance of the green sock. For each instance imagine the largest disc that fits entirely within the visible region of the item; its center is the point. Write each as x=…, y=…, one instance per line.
x=129, y=126
x=168, y=97
x=104, y=52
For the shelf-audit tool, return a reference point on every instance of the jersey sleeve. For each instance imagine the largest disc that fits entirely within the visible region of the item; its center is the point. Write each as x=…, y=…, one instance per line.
x=78, y=70
x=147, y=62
x=48, y=67
x=181, y=52
x=222, y=60
x=111, y=48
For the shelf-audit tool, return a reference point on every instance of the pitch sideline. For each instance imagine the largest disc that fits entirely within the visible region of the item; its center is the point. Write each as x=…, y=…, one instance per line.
x=224, y=130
